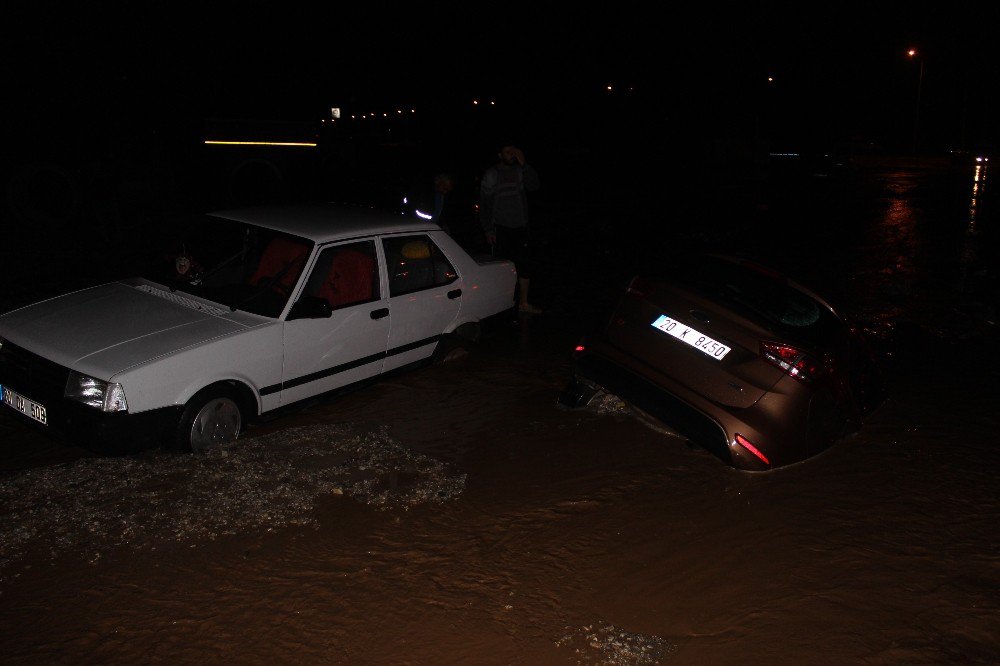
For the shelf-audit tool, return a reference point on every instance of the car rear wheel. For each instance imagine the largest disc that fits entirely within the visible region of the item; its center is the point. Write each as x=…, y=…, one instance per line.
x=212, y=418
x=457, y=344
x=577, y=395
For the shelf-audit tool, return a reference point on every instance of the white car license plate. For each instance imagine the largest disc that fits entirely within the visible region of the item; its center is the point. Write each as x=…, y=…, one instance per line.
x=27, y=407
x=691, y=336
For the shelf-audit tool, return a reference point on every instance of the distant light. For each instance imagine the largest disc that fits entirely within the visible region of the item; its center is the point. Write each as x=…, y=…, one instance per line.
x=580, y=348
x=422, y=215
x=911, y=52
x=609, y=88
x=475, y=102
x=399, y=110
x=413, y=110
x=353, y=117
x=770, y=79
x=979, y=159
x=385, y=115
x=492, y=102
x=335, y=112
x=296, y=144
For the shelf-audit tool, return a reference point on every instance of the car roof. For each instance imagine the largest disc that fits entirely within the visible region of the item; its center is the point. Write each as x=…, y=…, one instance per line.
x=323, y=222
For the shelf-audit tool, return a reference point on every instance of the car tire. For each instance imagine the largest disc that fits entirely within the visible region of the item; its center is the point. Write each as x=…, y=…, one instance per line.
x=212, y=418
x=457, y=344
x=577, y=395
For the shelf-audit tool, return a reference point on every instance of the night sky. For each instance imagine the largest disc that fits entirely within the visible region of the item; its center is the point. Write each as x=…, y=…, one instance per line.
x=841, y=76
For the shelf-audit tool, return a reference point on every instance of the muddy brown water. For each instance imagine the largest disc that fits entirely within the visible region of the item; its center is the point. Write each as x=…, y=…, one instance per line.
x=571, y=536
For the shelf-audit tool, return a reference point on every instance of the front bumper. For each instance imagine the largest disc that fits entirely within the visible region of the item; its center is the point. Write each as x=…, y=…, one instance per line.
x=95, y=430
x=44, y=382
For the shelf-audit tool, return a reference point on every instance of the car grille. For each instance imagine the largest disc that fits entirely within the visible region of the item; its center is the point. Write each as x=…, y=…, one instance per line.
x=31, y=375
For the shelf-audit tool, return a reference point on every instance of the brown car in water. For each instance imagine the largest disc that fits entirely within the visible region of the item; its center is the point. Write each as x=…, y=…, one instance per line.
x=740, y=359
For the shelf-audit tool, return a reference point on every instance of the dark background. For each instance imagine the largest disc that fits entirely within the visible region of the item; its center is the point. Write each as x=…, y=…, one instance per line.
x=108, y=106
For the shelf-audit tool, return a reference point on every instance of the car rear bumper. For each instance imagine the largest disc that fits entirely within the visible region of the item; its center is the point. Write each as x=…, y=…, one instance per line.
x=785, y=425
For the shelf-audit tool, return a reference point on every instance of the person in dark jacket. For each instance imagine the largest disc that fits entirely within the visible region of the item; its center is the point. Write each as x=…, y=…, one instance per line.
x=503, y=200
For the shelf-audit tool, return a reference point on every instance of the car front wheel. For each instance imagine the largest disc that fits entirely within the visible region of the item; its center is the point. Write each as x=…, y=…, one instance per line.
x=212, y=418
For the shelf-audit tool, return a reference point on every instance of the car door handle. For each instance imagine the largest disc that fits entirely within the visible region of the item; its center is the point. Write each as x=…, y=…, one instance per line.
x=381, y=312
x=454, y=293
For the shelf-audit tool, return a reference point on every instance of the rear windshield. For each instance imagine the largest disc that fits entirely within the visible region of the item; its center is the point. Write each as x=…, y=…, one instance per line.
x=757, y=294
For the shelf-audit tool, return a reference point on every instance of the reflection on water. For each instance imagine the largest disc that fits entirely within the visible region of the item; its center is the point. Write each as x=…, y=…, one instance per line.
x=924, y=256
x=978, y=189
x=897, y=230
x=969, y=253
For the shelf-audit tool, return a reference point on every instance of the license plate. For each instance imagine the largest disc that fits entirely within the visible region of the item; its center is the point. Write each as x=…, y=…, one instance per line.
x=29, y=408
x=692, y=337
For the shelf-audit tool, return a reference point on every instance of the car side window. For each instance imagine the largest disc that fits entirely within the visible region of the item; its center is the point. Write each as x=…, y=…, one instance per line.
x=345, y=275
x=416, y=263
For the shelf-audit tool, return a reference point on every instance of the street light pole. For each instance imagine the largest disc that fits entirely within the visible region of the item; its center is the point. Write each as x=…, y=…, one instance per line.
x=916, y=111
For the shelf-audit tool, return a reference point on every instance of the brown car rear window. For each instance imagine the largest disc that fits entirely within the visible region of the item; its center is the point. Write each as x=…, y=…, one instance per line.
x=757, y=293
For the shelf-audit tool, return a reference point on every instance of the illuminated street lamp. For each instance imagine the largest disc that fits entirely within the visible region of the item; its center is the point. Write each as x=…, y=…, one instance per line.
x=912, y=53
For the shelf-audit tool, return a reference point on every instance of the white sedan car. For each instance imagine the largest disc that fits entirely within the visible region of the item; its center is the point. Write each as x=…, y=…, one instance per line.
x=258, y=309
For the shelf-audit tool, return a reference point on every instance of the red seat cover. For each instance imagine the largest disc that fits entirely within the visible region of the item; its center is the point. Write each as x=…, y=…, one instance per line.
x=349, y=279
x=283, y=258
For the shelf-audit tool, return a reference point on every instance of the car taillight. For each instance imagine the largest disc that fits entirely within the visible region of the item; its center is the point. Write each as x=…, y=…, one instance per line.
x=748, y=445
x=639, y=288
x=796, y=363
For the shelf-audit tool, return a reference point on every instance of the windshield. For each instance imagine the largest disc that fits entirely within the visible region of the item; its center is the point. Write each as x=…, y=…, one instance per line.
x=238, y=265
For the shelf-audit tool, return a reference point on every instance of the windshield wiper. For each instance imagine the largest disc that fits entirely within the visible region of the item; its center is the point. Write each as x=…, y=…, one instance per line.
x=200, y=280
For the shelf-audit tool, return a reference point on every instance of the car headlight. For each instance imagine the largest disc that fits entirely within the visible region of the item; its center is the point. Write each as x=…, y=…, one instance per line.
x=105, y=396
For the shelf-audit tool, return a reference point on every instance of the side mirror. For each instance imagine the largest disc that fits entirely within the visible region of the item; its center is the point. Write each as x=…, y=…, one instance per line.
x=310, y=307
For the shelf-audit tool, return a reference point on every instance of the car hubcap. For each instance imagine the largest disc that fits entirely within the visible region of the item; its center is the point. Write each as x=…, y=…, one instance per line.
x=218, y=422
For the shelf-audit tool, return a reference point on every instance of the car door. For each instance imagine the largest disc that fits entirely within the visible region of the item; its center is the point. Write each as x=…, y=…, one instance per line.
x=425, y=297
x=337, y=331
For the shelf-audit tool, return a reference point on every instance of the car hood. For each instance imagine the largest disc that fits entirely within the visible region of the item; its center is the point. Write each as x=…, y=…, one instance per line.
x=106, y=329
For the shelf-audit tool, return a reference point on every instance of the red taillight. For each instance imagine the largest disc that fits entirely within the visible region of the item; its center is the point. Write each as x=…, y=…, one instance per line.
x=579, y=348
x=745, y=443
x=639, y=287
x=795, y=362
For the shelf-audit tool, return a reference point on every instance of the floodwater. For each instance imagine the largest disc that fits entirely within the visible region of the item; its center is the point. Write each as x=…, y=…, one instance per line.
x=456, y=514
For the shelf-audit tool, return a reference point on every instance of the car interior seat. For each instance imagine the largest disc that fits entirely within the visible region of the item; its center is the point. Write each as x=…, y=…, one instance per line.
x=281, y=261
x=414, y=269
x=350, y=279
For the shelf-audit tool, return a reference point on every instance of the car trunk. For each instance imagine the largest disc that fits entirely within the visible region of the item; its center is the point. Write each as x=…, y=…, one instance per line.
x=736, y=378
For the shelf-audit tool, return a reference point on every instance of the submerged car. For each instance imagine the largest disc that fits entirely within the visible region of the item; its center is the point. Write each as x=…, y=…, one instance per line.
x=740, y=359
x=256, y=309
